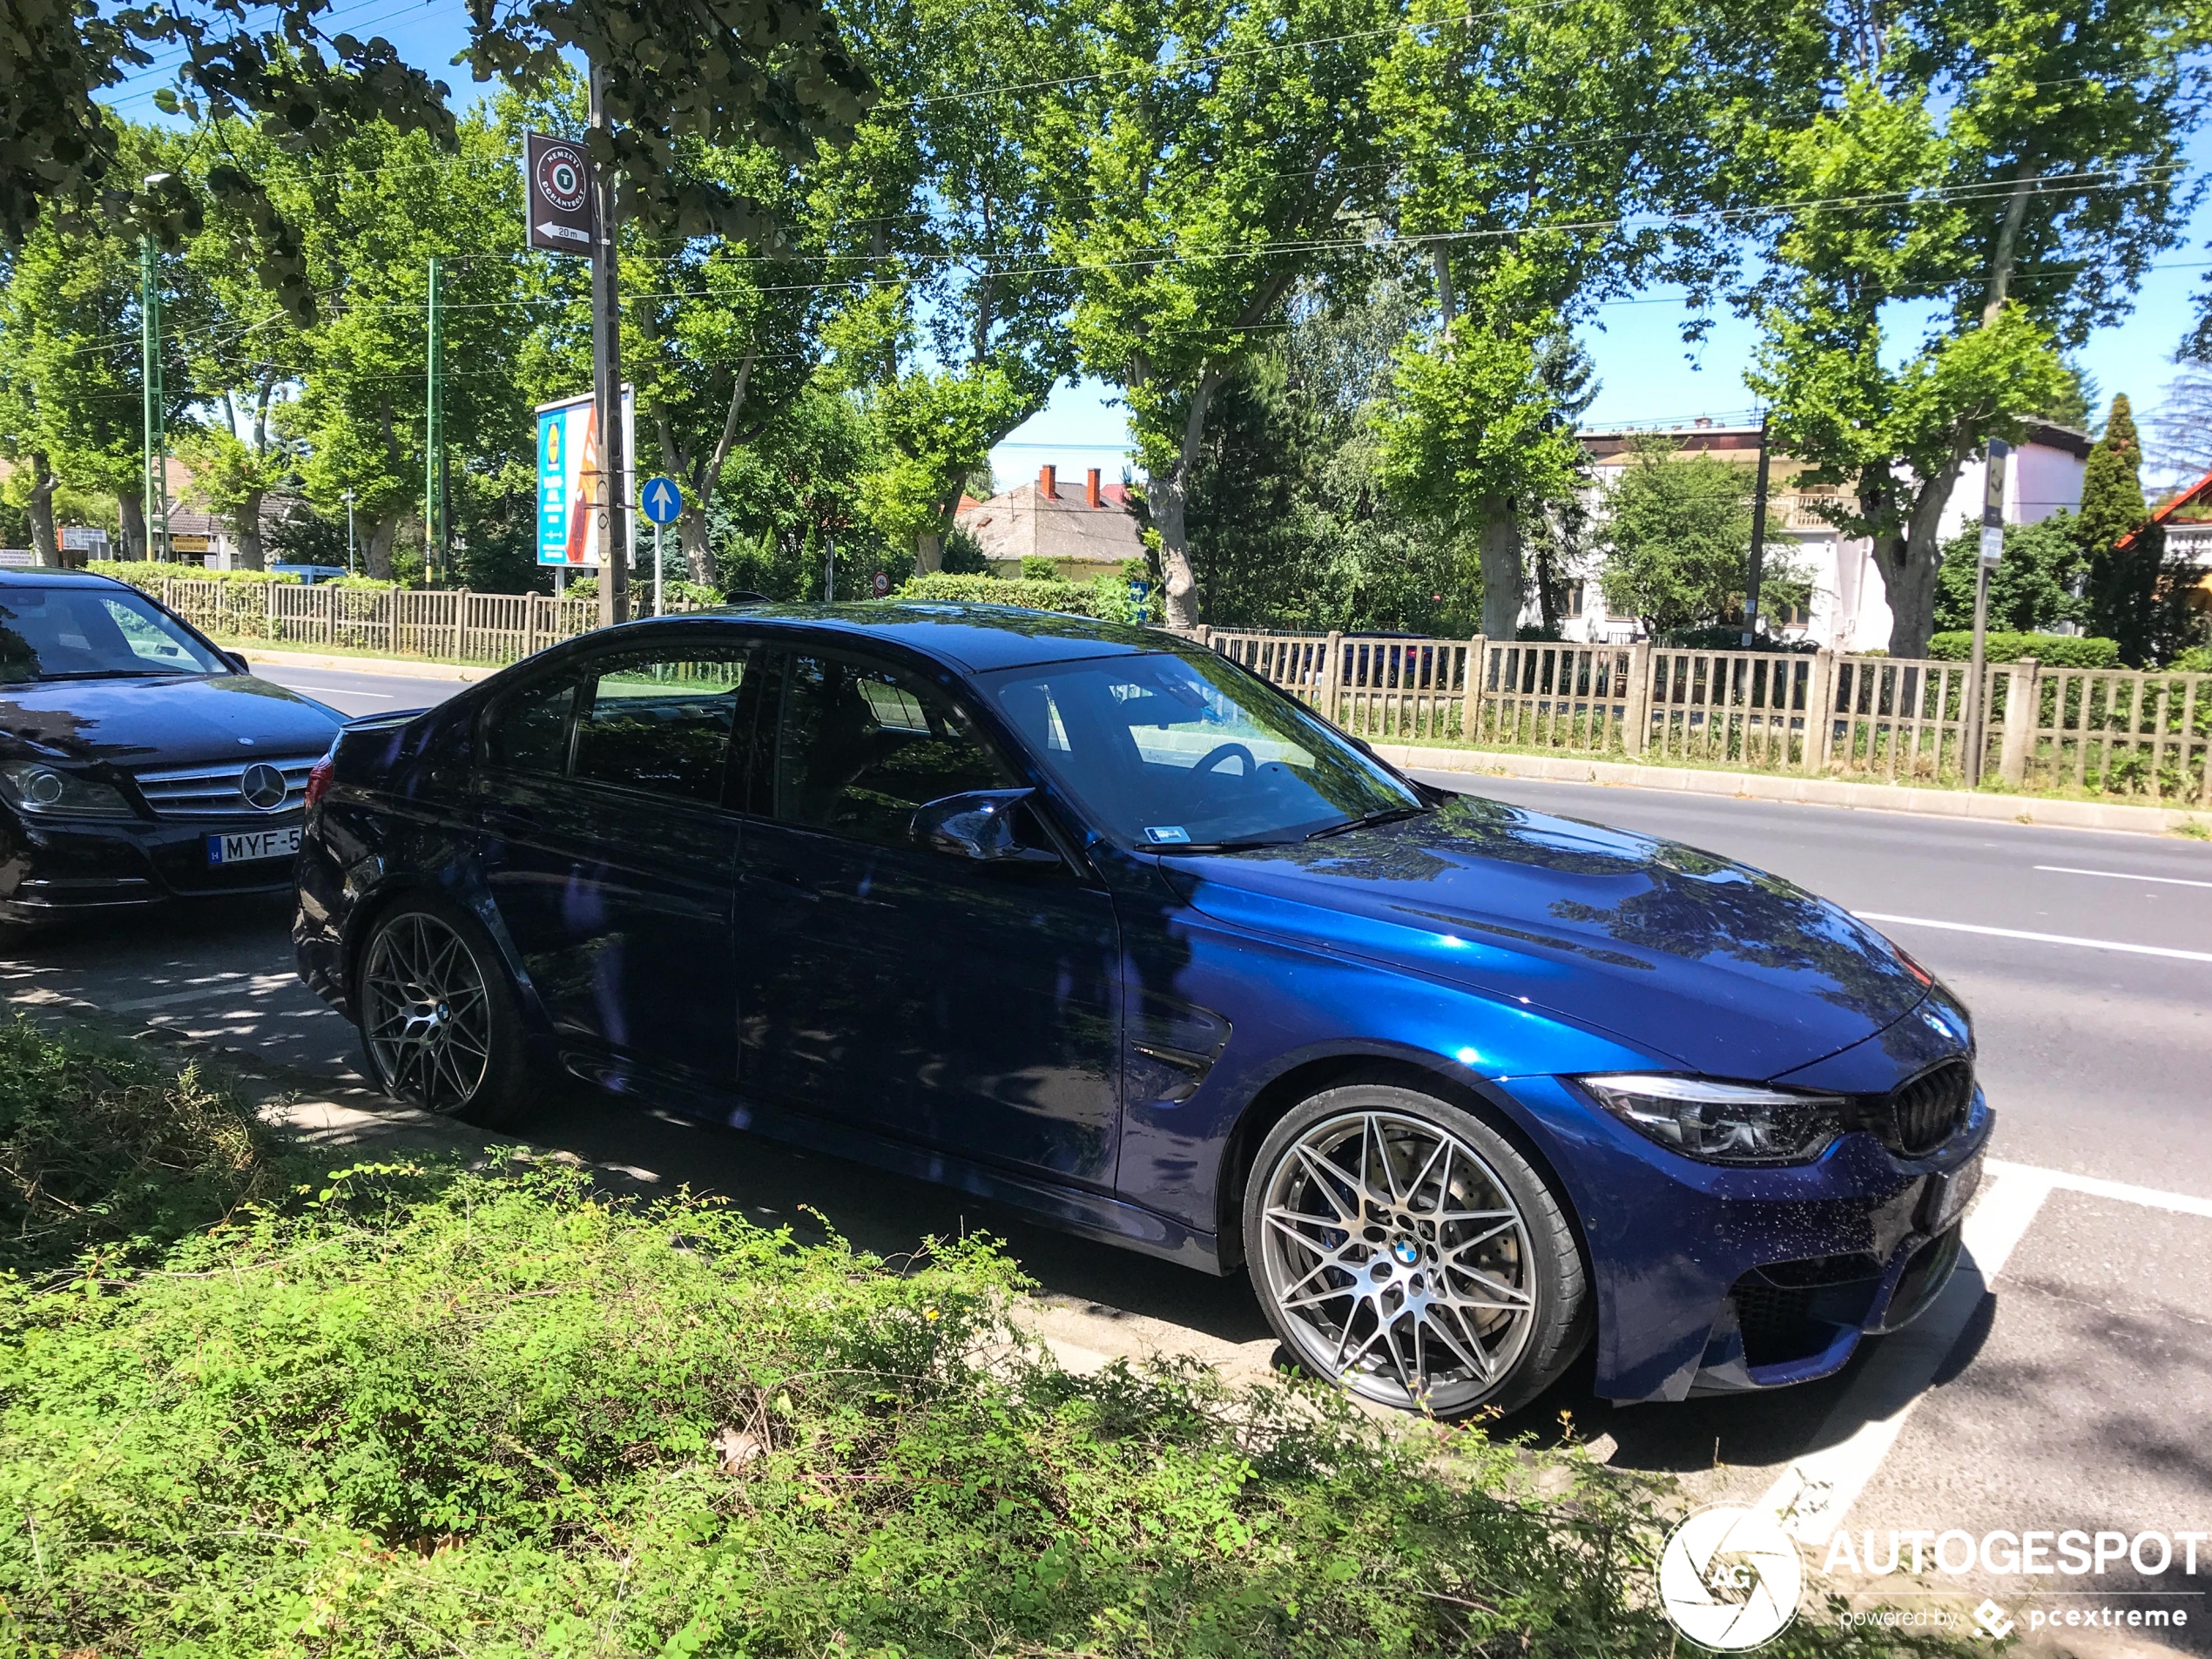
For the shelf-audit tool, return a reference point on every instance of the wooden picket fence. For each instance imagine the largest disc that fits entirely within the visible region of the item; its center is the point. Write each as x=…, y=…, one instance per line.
x=2101, y=731
x=449, y=623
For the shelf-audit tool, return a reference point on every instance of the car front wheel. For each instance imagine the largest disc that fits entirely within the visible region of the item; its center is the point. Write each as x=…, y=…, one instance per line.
x=438, y=1018
x=1405, y=1249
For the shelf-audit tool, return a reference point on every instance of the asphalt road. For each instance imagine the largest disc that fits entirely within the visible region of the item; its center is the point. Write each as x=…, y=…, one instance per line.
x=2064, y=1382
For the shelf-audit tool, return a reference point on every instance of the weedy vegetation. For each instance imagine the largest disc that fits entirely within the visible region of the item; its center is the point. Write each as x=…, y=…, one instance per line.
x=416, y=1408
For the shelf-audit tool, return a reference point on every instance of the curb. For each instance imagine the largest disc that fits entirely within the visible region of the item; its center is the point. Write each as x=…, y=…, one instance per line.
x=388, y=667
x=1815, y=792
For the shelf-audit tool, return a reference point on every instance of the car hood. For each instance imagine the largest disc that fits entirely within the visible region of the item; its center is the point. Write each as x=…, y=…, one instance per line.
x=163, y=720
x=1721, y=968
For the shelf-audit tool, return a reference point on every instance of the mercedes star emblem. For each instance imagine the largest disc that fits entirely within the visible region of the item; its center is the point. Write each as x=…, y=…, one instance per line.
x=263, y=785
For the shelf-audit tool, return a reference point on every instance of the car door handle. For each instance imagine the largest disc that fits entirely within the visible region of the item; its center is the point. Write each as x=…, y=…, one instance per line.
x=790, y=883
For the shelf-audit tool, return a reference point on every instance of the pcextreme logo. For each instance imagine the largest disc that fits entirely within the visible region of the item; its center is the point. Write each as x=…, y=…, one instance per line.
x=1730, y=1577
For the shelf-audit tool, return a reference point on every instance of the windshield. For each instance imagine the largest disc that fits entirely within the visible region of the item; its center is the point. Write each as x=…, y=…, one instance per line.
x=92, y=633
x=1170, y=752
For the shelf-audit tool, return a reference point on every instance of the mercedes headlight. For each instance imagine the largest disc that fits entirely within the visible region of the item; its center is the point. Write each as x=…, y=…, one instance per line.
x=48, y=792
x=1719, y=1123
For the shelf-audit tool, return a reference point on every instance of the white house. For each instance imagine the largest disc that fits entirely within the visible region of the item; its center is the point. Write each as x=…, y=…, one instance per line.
x=1849, y=610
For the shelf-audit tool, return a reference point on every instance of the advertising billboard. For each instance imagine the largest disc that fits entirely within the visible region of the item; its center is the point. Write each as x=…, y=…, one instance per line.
x=570, y=483
x=556, y=187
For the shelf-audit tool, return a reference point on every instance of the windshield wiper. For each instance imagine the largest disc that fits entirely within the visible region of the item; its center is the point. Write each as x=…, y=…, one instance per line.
x=1387, y=815
x=1215, y=846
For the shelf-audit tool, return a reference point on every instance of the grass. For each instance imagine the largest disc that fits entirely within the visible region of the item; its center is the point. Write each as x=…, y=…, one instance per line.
x=411, y=1409
x=250, y=643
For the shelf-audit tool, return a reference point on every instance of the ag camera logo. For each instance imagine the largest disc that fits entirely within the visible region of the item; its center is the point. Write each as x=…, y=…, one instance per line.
x=1729, y=1578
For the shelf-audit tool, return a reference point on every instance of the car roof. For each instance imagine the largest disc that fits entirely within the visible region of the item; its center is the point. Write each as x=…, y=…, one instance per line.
x=972, y=638
x=41, y=576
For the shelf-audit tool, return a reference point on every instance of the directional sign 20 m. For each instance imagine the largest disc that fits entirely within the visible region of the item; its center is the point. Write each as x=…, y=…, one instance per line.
x=556, y=186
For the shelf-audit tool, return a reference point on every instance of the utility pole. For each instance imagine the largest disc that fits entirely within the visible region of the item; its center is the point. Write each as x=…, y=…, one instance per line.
x=1759, y=545
x=155, y=478
x=606, y=374
x=1993, y=551
x=829, y=568
x=434, y=437
x=349, y=532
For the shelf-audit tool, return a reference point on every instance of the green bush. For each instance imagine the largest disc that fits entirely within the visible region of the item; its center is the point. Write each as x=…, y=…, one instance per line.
x=2053, y=650
x=414, y=1409
x=2198, y=659
x=149, y=574
x=361, y=583
x=1024, y=592
x=102, y=1150
x=1730, y=637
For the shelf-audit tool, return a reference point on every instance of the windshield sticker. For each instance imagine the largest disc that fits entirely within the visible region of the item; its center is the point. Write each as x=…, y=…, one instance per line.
x=1159, y=834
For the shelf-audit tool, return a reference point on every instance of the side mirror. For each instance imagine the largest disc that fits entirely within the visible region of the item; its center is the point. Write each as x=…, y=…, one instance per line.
x=978, y=825
x=239, y=665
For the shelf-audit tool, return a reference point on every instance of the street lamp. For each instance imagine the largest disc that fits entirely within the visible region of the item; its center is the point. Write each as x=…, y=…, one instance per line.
x=154, y=481
x=349, y=532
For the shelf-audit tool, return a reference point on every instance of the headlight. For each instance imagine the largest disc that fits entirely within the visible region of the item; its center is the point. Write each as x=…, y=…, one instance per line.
x=1722, y=1123
x=48, y=792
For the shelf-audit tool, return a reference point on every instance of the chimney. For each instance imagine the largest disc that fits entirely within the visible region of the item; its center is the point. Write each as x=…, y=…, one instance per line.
x=1090, y=488
x=1048, y=482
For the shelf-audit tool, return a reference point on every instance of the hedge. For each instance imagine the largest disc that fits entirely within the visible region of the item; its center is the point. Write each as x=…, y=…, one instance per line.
x=2053, y=651
x=149, y=574
x=1027, y=593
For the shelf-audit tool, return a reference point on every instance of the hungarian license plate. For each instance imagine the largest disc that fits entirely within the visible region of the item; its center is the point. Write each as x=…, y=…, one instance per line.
x=1948, y=1194
x=250, y=844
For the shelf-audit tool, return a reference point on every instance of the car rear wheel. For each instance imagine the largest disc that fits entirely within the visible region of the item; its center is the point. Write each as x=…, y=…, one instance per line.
x=1405, y=1249
x=438, y=1018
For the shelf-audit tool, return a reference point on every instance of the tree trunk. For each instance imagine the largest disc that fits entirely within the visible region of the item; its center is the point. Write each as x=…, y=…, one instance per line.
x=1909, y=564
x=40, y=505
x=1169, y=496
x=377, y=538
x=929, y=553
x=691, y=535
x=130, y=509
x=247, y=524
x=1502, y=574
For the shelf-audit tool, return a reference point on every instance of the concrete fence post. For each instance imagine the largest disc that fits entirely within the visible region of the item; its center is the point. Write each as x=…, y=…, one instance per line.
x=1478, y=680
x=2023, y=705
x=1329, y=693
x=1635, y=699
x=461, y=624
x=1820, y=710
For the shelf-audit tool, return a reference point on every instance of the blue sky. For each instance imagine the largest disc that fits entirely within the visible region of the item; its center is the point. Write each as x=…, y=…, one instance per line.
x=1645, y=372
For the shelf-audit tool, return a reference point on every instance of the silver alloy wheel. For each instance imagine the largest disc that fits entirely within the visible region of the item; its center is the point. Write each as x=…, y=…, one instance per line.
x=425, y=1013
x=1399, y=1261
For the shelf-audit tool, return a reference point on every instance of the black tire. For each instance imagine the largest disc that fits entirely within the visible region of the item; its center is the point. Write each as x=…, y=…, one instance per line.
x=1414, y=1291
x=441, y=1026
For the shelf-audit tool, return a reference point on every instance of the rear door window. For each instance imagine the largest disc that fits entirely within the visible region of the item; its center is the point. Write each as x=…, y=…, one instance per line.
x=862, y=746
x=660, y=721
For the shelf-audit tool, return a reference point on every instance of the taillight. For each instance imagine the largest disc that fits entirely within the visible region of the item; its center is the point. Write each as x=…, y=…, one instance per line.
x=319, y=777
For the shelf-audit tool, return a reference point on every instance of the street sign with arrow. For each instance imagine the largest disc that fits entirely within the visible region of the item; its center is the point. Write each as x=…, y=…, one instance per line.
x=661, y=500
x=556, y=188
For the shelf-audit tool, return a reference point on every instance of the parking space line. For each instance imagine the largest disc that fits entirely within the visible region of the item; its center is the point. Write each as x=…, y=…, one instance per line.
x=2180, y=1203
x=2122, y=875
x=2039, y=939
x=1814, y=1494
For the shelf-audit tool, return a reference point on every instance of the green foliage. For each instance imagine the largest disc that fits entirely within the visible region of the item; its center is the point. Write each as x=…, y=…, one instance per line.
x=2030, y=590
x=1037, y=568
x=149, y=574
x=1730, y=637
x=1027, y=593
x=1677, y=538
x=2054, y=650
x=963, y=554
x=2122, y=590
x=2198, y=659
x=102, y=1152
x=361, y=583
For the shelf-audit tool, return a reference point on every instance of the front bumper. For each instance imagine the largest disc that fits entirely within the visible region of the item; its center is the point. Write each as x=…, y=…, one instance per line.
x=73, y=867
x=1716, y=1280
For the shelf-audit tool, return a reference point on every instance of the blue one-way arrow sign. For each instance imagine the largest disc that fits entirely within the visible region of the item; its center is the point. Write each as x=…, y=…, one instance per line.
x=662, y=499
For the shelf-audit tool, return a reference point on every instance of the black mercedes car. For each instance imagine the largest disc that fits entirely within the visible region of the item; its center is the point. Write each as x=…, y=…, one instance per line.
x=138, y=762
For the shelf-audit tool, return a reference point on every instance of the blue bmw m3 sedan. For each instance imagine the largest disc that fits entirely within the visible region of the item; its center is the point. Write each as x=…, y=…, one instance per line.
x=1090, y=921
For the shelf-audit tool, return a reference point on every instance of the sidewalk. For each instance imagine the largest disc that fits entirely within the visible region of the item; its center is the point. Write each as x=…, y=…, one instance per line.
x=1816, y=791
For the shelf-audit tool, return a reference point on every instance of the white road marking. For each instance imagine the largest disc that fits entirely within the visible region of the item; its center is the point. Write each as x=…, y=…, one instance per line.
x=227, y=984
x=1815, y=1492
x=2040, y=939
x=343, y=690
x=2122, y=875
